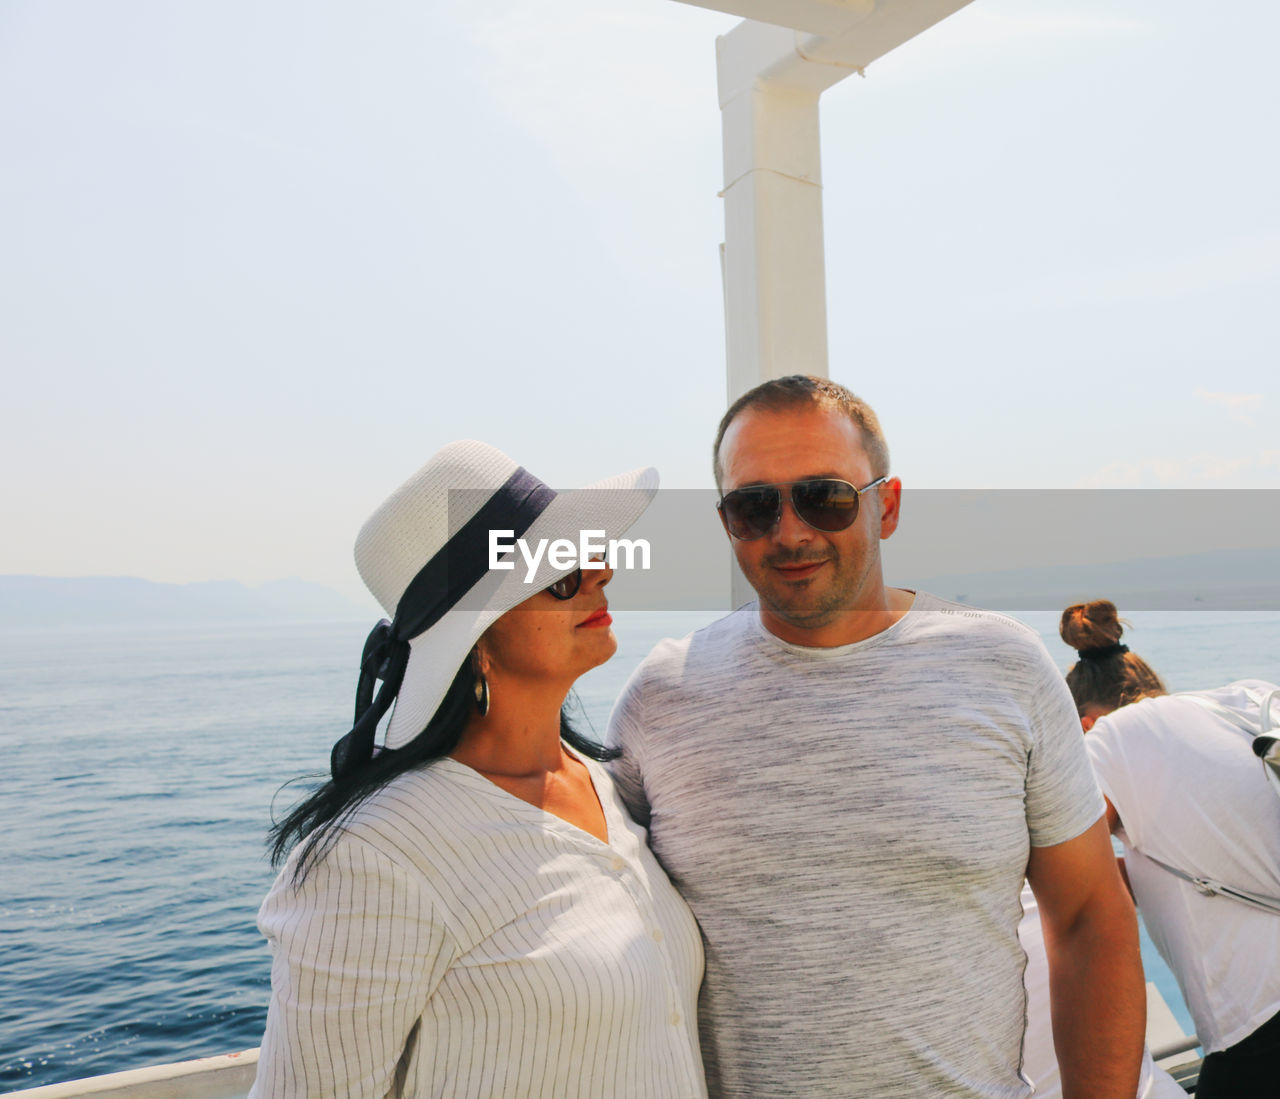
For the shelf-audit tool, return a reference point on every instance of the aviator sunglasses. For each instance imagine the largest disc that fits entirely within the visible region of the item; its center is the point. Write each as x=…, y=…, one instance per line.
x=823, y=503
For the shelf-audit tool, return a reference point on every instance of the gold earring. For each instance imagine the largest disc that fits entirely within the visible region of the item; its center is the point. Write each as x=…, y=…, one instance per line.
x=482, y=694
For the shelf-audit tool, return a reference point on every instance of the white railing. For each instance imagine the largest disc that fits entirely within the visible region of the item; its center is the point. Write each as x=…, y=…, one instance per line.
x=229, y=1076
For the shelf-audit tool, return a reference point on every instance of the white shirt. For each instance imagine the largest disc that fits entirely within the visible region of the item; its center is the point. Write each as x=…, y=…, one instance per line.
x=1039, y=1058
x=457, y=941
x=1190, y=792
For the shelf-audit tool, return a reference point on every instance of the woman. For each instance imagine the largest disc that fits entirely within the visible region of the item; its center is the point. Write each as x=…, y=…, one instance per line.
x=1186, y=795
x=469, y=911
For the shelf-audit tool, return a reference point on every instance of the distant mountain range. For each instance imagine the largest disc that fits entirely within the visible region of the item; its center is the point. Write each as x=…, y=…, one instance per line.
x=35, y=601
x=1235, y=580
x=1245, y=579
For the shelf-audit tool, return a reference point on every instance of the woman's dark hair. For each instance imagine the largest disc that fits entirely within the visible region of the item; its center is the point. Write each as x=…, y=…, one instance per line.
x=317, y=819
x=1107, y=674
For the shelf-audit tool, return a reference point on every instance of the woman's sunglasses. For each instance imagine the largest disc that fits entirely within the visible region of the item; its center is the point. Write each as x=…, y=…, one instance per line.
x=823, y=503
x=567, y=586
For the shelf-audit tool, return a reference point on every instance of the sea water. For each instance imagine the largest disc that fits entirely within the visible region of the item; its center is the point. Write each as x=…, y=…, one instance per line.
x=141, y=768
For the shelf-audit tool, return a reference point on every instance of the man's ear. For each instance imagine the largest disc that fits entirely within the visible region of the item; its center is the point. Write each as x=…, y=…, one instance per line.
x=1092, y=712
x=890, y=506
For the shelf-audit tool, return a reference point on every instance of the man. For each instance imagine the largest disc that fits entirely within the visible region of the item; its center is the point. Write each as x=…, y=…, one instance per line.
x=849, y=783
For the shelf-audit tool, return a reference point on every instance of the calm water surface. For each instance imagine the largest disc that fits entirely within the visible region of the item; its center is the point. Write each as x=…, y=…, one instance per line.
x=141, y=767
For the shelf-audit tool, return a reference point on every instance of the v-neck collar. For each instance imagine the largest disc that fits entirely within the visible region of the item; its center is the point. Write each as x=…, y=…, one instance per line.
x=517, y=806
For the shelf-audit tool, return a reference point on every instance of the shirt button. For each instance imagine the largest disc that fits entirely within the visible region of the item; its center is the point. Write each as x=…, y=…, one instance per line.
x=618, y=862
x=657, y=934
x=675, y=1018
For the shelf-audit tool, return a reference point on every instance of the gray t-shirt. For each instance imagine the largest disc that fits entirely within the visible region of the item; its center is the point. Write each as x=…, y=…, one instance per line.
x=851, y=828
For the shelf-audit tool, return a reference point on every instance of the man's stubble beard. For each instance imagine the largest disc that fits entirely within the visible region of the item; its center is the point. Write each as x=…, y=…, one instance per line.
x=797, y=604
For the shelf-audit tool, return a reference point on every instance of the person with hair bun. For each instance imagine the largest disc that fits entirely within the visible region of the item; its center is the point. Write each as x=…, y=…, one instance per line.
x=1108, y=675
x=1188, y=799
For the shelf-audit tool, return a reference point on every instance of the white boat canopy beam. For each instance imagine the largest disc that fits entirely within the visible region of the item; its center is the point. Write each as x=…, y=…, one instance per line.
x=772, y=69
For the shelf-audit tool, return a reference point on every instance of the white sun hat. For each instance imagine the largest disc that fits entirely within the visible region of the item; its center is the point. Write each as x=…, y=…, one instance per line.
x=425, y=556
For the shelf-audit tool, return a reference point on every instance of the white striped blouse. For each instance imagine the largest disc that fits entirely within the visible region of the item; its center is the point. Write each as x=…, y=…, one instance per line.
x=457, y=941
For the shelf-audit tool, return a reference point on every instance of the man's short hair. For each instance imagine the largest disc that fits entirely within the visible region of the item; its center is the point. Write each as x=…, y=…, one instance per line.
x=801, y=390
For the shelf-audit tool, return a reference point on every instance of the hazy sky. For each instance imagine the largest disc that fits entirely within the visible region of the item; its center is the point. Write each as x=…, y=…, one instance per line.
x=259, y=260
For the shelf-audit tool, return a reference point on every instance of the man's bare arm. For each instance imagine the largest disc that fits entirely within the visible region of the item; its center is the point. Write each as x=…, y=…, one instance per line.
x=1096, y=984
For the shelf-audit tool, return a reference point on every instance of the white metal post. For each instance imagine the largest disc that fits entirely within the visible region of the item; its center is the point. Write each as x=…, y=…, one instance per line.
x=775, y=286
x=771, y=73
x=772, y=68
x=774, y=276
x=775, y=297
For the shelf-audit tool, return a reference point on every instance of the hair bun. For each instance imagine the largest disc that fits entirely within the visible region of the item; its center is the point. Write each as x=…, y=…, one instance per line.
x=1091, y=625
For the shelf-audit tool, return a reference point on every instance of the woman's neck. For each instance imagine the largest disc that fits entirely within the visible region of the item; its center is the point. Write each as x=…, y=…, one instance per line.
x=519, y=736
